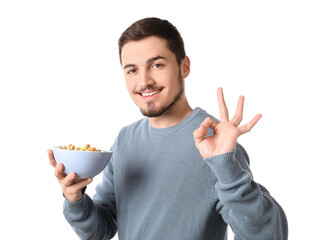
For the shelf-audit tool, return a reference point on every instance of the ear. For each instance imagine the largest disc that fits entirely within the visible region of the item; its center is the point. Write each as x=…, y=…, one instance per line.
x=185, y=67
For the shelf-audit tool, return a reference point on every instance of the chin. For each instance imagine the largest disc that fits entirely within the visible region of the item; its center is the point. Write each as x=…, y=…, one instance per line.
x=152, y=111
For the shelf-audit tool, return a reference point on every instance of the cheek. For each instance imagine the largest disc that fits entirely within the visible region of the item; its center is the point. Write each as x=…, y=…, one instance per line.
x=130, y=86
x=167, y=78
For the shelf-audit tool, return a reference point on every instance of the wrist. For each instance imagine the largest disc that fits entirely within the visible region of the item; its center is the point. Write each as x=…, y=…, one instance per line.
x=75, y=197
x=226, y=148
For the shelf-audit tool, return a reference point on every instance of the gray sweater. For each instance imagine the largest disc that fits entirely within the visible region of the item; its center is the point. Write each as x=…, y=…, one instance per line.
x=157, y=186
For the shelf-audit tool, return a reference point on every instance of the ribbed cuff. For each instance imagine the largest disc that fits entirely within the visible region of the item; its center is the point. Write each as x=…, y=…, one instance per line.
x=75, y=206
x=225, y=167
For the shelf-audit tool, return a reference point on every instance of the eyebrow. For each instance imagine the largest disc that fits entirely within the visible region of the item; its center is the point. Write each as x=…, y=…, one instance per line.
x=129, y=66
x=153, y=59
x=150, y=60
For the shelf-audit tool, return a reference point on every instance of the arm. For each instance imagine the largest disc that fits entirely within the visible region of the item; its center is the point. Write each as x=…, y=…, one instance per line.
x=246, y=206
x=90, y=219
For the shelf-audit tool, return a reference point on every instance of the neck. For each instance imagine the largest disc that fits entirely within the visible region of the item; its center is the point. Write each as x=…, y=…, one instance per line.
x=173, y=116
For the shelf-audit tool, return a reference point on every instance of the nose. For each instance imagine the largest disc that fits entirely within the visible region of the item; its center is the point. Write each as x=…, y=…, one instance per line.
x=145, y=79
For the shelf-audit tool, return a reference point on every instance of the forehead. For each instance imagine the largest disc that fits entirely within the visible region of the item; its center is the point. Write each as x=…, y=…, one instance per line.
x=138, y=52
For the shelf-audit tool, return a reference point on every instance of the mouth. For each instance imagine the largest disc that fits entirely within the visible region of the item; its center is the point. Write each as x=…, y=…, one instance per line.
x=149, y=92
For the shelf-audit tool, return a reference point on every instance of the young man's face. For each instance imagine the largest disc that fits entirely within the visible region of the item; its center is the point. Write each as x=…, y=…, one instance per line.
x=153, y=77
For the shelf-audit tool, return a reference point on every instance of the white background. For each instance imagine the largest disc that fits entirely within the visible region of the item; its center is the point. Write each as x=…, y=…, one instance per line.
x=61, y=83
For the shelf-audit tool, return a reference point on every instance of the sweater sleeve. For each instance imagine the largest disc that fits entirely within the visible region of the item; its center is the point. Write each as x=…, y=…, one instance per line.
x=245, y=205
x=94, y=218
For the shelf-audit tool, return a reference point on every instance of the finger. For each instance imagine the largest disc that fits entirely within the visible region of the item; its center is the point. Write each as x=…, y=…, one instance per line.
x=200, y=133
x=52, y=161
x=69, y=180
x=239, y=111
x=224, y=115
x=59, y=171
x=82, y=183
x=247, y=127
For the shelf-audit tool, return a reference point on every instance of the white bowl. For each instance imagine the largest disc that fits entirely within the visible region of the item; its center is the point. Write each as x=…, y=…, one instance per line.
x=85, y=164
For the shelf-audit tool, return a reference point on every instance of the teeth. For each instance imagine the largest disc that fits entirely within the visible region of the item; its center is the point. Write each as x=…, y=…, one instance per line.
x=149, y=94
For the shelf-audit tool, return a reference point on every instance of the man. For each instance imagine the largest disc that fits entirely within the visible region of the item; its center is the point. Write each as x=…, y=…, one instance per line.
x=179, y=173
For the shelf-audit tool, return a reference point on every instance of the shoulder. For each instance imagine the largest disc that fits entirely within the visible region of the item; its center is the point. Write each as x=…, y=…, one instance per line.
x=134, y=127
x=204, y=114
x=201, y=114
x=128, y=133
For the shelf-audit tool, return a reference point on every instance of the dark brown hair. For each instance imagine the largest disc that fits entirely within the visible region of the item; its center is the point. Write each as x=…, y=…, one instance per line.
x=148, y=27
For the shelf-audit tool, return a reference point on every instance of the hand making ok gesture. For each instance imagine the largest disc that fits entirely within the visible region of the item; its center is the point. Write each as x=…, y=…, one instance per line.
x=225, y=133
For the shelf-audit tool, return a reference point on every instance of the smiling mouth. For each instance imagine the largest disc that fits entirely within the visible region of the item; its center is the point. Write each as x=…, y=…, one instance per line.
x=148, y=94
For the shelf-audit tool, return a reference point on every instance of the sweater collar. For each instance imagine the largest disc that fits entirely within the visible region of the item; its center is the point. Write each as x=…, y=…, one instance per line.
x=163, y=131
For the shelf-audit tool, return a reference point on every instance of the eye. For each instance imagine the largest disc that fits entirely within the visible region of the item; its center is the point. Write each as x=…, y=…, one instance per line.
x=156, y=65
x=131, y=71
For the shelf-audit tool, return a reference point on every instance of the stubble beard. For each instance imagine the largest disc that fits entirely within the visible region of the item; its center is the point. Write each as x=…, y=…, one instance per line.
x=153, y=111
